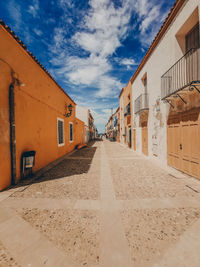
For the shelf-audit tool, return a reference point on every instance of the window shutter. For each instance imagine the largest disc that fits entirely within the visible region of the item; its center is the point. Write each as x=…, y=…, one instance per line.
x=60, y=132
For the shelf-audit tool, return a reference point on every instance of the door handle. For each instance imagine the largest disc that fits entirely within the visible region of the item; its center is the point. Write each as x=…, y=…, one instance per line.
x=180, y=146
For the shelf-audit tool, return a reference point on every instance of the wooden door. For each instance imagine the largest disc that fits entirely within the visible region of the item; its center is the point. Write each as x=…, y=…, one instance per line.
x=130, y=138
x=190, y=143
x=173, y=141
x=134, y=139
x=145, y=140
x=183, y=142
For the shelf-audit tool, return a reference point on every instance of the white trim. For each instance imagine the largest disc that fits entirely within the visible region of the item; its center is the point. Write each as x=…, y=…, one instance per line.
x=62, y=144
x=71, y=141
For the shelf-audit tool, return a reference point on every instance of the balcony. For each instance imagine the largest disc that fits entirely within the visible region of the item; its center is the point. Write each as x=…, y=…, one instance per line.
x=142, y=103
x=183, y=75
x=115, y=122
x=127, y=110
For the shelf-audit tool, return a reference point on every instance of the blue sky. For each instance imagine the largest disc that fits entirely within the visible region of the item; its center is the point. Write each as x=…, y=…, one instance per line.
x=91, y=47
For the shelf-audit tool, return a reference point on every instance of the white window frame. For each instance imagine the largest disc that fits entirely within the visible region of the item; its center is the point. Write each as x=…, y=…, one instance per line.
x=71, y=141
x=62, y=144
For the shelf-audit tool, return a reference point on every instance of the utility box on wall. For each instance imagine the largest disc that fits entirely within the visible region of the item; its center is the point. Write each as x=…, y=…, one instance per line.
x=28, y=162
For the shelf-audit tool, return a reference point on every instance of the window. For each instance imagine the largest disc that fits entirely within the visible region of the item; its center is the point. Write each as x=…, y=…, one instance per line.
x=144, y=81
x=192, y=38
x=71, y=132
x=145, y=84
x=60, y=126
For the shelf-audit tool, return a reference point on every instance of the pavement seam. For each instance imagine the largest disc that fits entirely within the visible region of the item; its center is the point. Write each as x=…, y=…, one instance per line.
x=27, y=245
x=186, y=247
x=146, y=203
x=114, y=246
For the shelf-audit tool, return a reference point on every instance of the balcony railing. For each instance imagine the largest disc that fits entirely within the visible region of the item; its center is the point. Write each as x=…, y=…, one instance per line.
x=127, y=110
x=142, y=103
x=184, y=72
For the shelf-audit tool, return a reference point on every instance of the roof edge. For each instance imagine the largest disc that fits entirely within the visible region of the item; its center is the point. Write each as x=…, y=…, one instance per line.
x=173, y=12
x=8, y=29
x=121, y=92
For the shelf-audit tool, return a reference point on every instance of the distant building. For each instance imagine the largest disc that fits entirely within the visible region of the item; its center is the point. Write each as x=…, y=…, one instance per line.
x=91, y=127
x=118, y=124
x=112, y=127
x=126, y=121
x=83, y=114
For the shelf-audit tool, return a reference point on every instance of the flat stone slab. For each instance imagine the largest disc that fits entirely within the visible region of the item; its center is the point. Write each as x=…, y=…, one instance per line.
x=102, y=206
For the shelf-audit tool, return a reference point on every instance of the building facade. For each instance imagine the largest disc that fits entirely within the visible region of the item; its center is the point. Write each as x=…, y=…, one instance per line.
x=82, y=113
x=109, y=127
x=91, y=127
x=113, y=126
x=166, y=92
x=35, y=114
x=122, y=126
x=118, y=124
x=126, y=115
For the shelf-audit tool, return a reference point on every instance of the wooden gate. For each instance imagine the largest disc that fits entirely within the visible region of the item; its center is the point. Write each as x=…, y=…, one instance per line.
x=183, y=142
x=134, y=139
x=130, y=137
x=145, y=140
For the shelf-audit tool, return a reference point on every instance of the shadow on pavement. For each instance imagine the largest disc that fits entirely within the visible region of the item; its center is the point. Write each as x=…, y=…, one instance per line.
x=77, y=163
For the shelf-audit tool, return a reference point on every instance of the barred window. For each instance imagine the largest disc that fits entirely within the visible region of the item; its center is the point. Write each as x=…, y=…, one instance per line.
x=60, y=126
x=71, y=132
x=192, y=38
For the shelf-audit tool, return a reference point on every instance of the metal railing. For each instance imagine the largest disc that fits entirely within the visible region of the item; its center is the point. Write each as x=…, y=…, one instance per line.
x=183, y=73
x=127, y=110
x=141, y=103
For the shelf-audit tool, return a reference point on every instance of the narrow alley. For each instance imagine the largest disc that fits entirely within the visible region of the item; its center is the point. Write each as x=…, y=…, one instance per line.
x=99, y=206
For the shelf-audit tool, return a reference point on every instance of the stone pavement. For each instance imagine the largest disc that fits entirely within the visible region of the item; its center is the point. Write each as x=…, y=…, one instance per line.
x=102, y=206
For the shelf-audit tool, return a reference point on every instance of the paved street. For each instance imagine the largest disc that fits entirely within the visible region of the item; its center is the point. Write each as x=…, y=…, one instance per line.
x=102, y=206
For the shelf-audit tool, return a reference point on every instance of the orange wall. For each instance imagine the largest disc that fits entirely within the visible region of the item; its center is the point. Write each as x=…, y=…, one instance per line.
x=5, y=165
x=38, y=104
x=128, y=91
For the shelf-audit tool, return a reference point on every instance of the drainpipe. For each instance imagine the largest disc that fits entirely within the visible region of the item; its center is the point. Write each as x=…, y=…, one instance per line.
x=12, y=133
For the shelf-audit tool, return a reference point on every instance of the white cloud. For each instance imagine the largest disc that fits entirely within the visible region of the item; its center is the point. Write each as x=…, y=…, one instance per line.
x=100, y=34
x=84, y=71
x=100, y=118
x=152, y=16
x=149, y=16
x=142, y=7
x=66, y=3
x=104, y=27
x=128, y=61
x=108, y=86
x=34, y=8
x=15, y=13
x=38, y=32
x=59, y=37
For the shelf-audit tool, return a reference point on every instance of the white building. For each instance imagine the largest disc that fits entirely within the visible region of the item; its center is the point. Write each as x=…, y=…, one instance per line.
x=166, y=92
x=83, y=115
